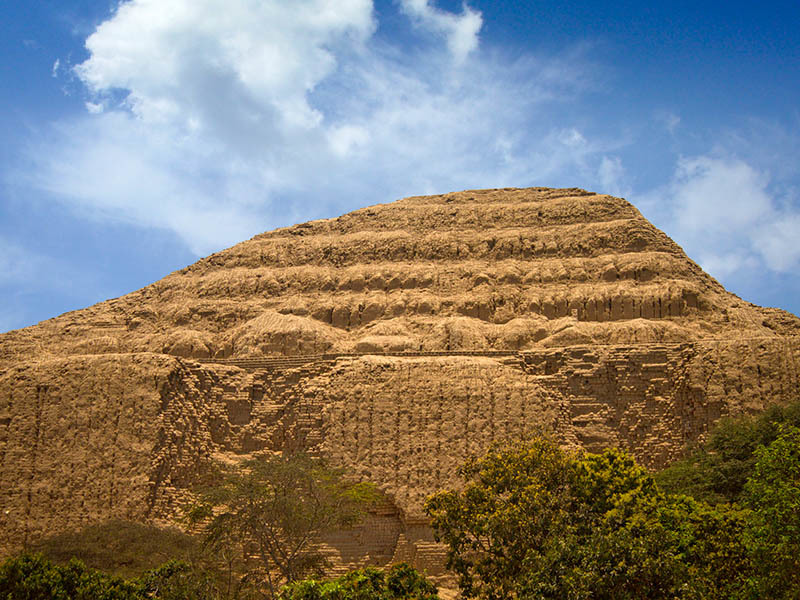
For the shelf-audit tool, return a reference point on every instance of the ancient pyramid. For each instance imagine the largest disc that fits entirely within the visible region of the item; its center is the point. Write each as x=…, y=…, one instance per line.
x=395, y=340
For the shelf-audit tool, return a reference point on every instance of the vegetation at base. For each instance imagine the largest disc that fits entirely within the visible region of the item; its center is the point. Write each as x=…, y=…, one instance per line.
x=773, y=531
x=33, y=577
x=259, y=520
x=536, y=522
x=400, y=582
x=272, y=509
x=717, y=471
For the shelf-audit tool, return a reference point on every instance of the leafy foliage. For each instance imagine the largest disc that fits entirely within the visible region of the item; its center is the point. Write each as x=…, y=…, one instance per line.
x=176, y=580
x=33, y=577
x=718, y=471
x=400, y=582
x=534, y=521
x=274, y=509
x=773, y=535
x=499, y=527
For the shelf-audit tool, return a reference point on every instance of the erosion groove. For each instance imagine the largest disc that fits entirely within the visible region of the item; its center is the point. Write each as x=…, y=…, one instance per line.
x=396, y=340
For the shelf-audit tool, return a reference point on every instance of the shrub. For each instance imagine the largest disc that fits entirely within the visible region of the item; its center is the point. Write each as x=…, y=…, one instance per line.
x=717, y=471
x=533, y=521
x=121, y=548
x=400, y=582
x=33, y=577
x=773, y=533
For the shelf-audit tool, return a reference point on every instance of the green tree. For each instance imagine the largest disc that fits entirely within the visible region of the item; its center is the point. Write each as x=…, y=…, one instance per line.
x=505, y=521
x=533, y=521
x=400, y=582
x=773, y=534
x=176, y=580
x=717, y=471
x=275, y=508
x=33, y=577
x=667, y=547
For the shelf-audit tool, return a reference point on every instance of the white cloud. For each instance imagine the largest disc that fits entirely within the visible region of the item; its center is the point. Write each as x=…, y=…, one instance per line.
x=56, y=67
x=719, y=195
x=725, y=214
x=460, y=31
x=778, y=241
x=112, y=166
x=345, y=139
x=220, y=119
x=611, y=174
x=204, y=63
x=727, y=265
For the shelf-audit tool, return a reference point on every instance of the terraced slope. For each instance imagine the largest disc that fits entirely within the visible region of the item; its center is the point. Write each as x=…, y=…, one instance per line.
x=396, y=340
x=487, y=269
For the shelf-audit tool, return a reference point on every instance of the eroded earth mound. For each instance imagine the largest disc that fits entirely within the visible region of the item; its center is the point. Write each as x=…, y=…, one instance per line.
x=396, y=340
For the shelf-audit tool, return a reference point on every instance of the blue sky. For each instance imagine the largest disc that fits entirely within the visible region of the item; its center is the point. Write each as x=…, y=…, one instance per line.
x=140, y=136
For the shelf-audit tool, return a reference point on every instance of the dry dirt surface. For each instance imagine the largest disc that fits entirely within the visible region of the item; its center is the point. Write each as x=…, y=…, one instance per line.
x=396, y=340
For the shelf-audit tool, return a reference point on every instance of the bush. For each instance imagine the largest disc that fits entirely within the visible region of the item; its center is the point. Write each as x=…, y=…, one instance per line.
x=177, y=581
x=400, y=582
x=534, y=521
x=33, y=577
x=773, y=533
x=717, y=472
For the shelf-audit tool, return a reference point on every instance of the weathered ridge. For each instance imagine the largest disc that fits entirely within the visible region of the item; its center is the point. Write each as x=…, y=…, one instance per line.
x=396, y=340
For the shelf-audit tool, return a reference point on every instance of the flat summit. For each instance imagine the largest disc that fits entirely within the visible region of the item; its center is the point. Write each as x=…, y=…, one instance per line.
x=396, y=340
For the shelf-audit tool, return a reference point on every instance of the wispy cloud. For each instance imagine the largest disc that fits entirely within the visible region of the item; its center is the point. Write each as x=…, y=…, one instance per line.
x=460, y=31
x=613, y=177
x=668, y=120
x=217, y=119
x=728, y=216
x=29, y=278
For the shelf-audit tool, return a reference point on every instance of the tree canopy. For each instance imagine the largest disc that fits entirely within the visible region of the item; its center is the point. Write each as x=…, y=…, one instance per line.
x=399, y=582
x=34, y=577
x=274, y=508
x=718, y=470
x=534, y=521
x=773, y=532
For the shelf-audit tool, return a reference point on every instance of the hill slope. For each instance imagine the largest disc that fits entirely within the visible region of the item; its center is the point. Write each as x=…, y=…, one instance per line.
x=396, y=340
x=487, y=269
